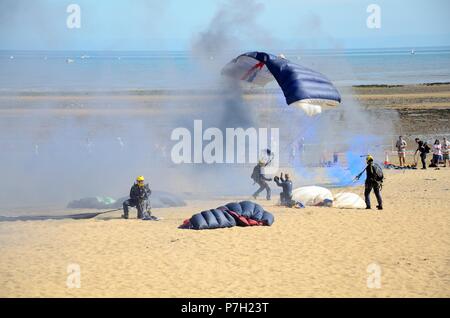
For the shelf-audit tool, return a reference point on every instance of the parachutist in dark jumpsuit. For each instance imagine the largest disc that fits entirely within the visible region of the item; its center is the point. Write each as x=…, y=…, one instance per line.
x=371, y=183
x=139, y=198
x=286, y=195
x=259, y=178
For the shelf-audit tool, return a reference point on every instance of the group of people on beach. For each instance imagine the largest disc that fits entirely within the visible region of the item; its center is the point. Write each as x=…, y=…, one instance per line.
x=374, y=181
x=439, y=150
x=284, y=182
x=140, y=191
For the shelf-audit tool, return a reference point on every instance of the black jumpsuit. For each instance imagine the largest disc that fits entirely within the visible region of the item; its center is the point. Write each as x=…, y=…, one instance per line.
x=372, y=183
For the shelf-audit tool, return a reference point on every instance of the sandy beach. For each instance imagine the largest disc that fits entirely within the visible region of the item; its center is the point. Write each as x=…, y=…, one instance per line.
x=311, y=252
x=224, y=150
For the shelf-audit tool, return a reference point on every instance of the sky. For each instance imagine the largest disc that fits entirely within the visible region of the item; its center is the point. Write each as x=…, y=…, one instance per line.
x=179, y=24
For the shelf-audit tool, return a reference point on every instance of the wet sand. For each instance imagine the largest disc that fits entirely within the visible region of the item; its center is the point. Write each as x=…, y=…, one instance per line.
x=422, y=108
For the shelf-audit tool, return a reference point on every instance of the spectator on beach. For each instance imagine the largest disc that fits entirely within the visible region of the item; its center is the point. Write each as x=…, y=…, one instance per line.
x=401, y=150
x=422, y=149
x=335, y=157
x=437, y=152
x=445, y=151
x=293, y=153
x=301, y=145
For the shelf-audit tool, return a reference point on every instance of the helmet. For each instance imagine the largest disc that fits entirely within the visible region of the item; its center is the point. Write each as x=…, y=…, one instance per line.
x=369, y=158
x=140, y=181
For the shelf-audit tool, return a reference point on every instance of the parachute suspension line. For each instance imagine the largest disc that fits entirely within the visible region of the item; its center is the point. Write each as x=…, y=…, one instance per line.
x=311, y=121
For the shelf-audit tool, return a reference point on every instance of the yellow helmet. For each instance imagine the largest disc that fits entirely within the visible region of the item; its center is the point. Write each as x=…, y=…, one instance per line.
x=369, y=158
x=140, y=181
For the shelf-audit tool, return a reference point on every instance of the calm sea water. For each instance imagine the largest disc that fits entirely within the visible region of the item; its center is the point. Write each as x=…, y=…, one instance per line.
x=102, y=70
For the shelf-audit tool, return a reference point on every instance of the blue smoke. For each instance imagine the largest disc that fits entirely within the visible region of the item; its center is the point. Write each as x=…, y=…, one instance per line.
x=359, y=147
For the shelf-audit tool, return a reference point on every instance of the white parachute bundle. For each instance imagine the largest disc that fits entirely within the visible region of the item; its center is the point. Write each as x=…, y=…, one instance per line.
x=312, y=195
x=348, y=200
x=319, y=196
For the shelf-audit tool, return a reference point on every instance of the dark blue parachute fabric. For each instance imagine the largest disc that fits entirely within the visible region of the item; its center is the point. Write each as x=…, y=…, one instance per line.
x=230, y=215
x=297, y=82
x=251, y=210
x=212, y=219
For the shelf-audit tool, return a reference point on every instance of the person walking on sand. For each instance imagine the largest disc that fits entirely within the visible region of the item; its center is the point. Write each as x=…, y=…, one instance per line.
x=139, y=198
x=422, y=149
x=374, y=180
x=260, y=179
x=445, y=151
x=401, y=150
x=437, y=152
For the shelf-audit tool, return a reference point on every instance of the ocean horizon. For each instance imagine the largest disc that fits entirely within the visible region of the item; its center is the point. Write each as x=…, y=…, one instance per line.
x=71, y=71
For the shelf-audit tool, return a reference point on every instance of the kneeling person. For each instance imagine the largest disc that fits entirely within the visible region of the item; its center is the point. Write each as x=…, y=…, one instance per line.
x=139, y=198
x=286, y=195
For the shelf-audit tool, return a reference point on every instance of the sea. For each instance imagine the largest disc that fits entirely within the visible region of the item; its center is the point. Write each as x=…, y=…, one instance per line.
x=63, y=158
x=48, y=71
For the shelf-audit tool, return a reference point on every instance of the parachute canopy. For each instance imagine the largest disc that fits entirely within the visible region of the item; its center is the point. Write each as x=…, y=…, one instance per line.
x=348, y=200
x=312, y=195
x=319, y=196
x=245, y=213
x=301, y=86
x=159, y=199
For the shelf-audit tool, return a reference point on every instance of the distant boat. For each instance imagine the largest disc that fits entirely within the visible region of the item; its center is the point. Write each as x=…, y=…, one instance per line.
x=84, y=56
x=68, y=61
x=413, y=52
x=11, y=57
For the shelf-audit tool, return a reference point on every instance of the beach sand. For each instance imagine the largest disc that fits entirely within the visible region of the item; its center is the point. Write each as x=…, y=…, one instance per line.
x=311, y=252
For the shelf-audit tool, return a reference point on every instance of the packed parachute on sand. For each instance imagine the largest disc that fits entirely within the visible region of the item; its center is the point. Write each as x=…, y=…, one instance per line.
x=320, y=196
x=160, y=199
x=245, y=213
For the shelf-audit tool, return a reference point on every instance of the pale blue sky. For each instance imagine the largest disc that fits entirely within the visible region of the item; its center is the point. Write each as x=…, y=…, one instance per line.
x=177, y=24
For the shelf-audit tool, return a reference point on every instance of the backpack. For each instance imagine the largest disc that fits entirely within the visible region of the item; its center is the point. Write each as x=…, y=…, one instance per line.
x=255, y=174
x=427, y=148
x=378, y=172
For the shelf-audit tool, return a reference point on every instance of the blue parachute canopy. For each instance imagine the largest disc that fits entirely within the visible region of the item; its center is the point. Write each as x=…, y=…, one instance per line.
x=301, y=86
